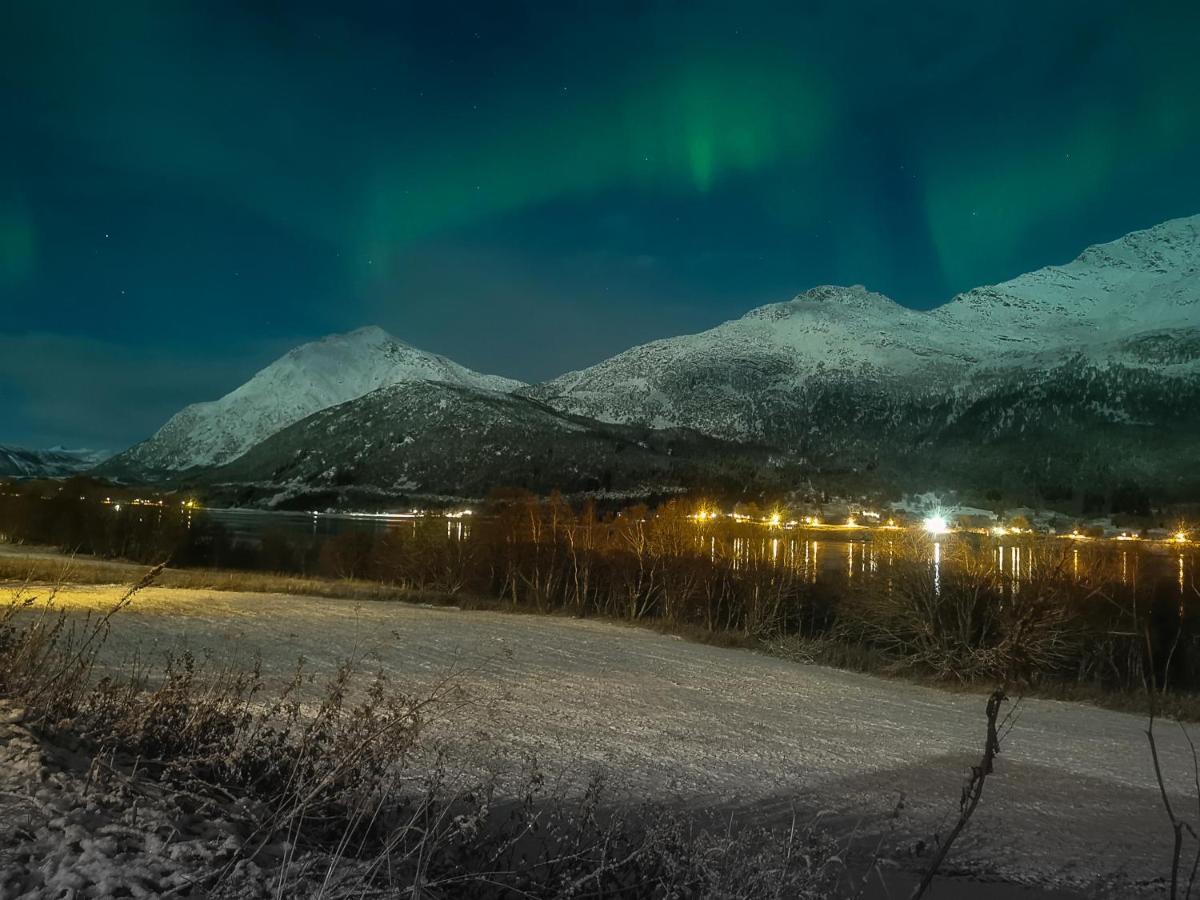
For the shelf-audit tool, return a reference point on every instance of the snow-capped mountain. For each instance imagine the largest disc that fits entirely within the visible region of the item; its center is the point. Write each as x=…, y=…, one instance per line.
x=792, y=369
x=733, y=380
x=1145, y=282
x=310, y=378
x=57, y=462
x=1072, y=379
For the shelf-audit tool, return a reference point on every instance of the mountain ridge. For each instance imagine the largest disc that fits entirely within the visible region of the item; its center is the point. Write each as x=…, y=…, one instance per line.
x=305, y=380
x=1105, y=348
x=55, y=462
x=1142, y=283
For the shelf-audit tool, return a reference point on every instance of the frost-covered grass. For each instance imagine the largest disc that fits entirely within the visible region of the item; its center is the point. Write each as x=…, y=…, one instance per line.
x=198, y=777
x=22, y=565
x=1073, y=799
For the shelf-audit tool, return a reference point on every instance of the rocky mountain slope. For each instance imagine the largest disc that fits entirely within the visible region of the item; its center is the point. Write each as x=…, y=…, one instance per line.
x=1145, y=282
x=306, y=380
x=1069, y=366
x=57, y=462
x=1134, y=302
x=437, y=439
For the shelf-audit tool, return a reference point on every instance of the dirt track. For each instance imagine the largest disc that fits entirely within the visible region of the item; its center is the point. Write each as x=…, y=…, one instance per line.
x=1073, y=800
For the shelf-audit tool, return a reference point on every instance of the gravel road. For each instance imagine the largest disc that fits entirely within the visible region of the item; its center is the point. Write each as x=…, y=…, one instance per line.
x=1073, y=800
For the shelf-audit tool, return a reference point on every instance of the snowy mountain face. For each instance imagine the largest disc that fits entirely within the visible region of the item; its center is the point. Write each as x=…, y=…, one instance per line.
x=1071, y=378
x=1145, y=282
x=735, y=380
x=57, y=462
x=308, y=379
x=438, y=439
x=843, y=374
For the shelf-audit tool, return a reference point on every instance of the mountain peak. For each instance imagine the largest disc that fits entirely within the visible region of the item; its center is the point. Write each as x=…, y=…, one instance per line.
x=1171, y=244
x=768, y=370
x=1141, y=281
x=305, y=380
x=826, y=299
x=368, y=334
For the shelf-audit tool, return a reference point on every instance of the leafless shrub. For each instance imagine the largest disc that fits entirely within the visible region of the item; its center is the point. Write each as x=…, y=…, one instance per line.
x=950, y=610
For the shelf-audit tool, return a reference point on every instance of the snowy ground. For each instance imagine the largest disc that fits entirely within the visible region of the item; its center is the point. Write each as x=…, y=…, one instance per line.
x=1073, y=800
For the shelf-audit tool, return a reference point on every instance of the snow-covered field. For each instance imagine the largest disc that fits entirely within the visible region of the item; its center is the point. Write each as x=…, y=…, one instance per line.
x=1073, y=800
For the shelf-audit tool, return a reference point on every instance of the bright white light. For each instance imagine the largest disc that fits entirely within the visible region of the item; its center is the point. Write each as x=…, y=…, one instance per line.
x=936, y=525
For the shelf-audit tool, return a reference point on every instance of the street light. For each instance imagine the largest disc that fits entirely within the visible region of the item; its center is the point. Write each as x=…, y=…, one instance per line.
x=936, y=525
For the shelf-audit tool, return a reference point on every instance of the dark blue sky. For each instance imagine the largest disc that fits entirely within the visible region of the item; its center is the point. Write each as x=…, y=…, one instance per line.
x=188, y=189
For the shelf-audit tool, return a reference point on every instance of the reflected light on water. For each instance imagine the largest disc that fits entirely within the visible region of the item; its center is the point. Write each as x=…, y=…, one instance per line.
x=937, y=567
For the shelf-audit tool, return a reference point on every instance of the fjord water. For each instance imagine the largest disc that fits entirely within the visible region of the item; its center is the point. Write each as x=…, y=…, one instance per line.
x=820, y=556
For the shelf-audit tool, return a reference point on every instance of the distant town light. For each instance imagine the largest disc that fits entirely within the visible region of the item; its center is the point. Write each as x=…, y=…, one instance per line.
x=1181, y=537
x=936, y=524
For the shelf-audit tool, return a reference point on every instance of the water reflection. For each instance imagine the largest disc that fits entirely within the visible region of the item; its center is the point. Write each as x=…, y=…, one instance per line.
x=1017, y=562
x=937, y=567
x=861, y=557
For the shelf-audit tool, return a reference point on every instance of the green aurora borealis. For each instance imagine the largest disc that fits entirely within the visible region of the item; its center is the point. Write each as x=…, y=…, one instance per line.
x=528, y=187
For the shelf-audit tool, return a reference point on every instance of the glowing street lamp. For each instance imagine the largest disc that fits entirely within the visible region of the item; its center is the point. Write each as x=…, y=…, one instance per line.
x=936, y=525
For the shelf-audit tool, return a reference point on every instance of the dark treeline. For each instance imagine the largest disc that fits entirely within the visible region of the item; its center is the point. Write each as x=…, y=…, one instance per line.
x=75, y=520
x=1085, y=620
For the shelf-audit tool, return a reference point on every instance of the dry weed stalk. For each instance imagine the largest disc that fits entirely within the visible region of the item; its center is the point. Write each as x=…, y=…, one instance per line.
x=972, y=791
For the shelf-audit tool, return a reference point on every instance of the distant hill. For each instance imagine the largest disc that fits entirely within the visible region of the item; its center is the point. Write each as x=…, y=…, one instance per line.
x=56, y=462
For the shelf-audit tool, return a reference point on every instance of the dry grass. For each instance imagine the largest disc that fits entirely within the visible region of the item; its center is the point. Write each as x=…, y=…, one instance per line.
x=838, y=650
x=61, y=570
x=329, y=791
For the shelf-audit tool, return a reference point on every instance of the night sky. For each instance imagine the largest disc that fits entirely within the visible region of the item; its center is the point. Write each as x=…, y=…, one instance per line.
x=188, y=189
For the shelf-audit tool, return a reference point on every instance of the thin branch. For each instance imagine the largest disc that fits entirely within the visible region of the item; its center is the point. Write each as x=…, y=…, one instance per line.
x=972, y=791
